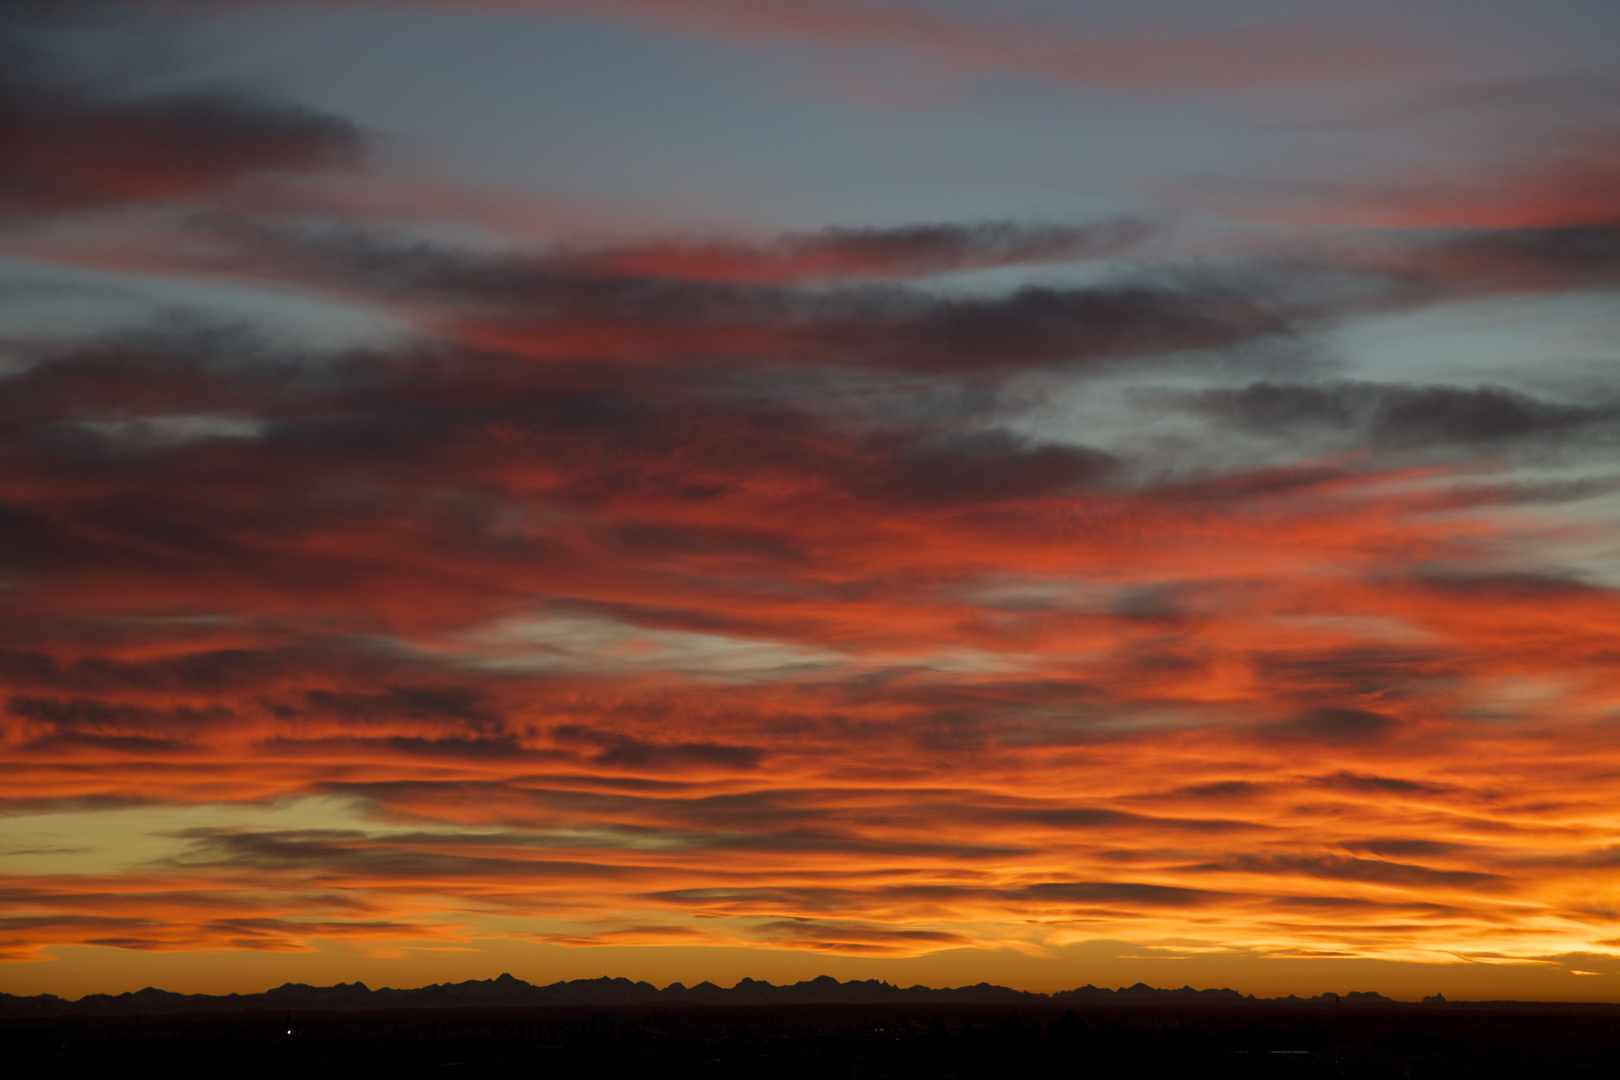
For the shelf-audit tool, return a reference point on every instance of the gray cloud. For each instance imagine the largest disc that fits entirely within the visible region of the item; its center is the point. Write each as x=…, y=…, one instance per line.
x=1331, y=725
x=1397, y=417
x=75, y=141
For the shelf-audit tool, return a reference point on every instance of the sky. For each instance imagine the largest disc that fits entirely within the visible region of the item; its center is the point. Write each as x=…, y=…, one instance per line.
x=1028, y=492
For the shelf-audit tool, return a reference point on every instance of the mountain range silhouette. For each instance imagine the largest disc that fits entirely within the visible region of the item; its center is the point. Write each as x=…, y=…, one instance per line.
x=507, y=990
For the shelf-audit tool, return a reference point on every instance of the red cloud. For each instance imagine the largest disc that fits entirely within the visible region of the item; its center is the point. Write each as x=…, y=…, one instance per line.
x=65, y=151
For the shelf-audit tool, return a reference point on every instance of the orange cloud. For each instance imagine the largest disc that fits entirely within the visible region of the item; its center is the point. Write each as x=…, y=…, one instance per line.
x=759, y=594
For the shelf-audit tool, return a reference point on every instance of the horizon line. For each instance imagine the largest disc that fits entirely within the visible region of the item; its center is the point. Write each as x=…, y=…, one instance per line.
x=509, y=983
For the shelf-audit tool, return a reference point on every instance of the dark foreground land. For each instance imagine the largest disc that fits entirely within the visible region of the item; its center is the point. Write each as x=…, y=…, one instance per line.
x=1139, y=1033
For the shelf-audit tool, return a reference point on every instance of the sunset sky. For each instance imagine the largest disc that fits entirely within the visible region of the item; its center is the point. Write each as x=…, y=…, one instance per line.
x=1045, y=493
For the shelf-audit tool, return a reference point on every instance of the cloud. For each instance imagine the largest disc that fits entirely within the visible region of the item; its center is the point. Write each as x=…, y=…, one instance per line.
x=88, y=714
x=1367, y=671
x=70, y=155
x=835, y=253
x=1379, y=784
x=355, y=420
x=854, y=938
x=1123, y=893
x=1333, y=725
x=610, y=306
x=1395, y=418
x=634, y=935
x=1579, y=256
x=334, y=857
x=257, y=934
x=617, y=751
x=1529, y=160
x=1154, y=56
x=458, y=704
x=1407, y=847
x=1223, y=789
x=1342, y=868
x=75, y=141
x=781, y=582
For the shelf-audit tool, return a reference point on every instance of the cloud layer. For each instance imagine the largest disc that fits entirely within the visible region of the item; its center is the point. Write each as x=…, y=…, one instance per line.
x=870, y=590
